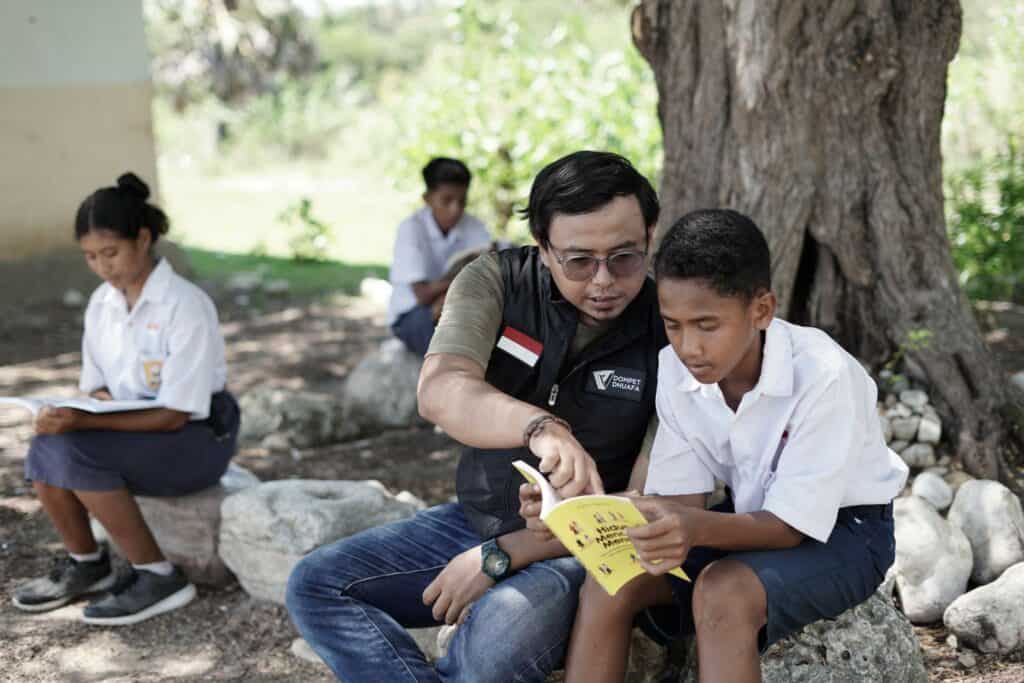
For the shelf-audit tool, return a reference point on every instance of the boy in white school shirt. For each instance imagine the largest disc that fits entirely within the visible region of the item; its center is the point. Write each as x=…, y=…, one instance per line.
x=787, y=419
x=425, y=242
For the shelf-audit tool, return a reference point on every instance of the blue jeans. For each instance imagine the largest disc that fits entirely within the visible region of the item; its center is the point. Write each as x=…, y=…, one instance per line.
x=353, y=600
x=415, y=328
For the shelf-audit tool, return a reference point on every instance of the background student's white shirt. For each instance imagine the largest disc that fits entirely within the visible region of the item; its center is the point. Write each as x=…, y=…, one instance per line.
x=168, y=348
x=422, y=251
x=803, y=443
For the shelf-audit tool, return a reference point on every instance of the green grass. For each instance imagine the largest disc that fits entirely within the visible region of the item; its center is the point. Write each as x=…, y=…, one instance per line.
x=305, y=278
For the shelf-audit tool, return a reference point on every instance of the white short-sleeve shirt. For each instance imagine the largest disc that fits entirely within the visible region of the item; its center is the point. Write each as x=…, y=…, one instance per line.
x=422, y=252
x=168, y=347
x=804, y=442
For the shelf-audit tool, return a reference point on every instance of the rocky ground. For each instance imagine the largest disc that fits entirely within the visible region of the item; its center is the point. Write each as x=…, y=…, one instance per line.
x=225, y=635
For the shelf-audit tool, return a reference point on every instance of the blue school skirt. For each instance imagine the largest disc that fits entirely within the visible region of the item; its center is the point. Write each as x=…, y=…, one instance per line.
x=146, y=463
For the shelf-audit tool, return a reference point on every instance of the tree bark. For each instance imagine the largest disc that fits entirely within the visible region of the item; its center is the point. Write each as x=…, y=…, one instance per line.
x=821, y=120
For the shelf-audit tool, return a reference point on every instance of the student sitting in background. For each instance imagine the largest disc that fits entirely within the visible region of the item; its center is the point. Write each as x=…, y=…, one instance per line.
x=424, y=245
x=786, y=418
x=149, y=334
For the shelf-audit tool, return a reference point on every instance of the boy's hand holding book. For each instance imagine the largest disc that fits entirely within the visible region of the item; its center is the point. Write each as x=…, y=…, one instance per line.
x=530, y=503
x=665, y=541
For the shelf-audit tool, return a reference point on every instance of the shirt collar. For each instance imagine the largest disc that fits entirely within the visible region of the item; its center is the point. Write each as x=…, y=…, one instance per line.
x=434, y=230
x=776, y=367
x=155, y=289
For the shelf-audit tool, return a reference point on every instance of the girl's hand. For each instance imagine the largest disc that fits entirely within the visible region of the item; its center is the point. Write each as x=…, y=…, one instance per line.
x=101, y=395
x=58, y=420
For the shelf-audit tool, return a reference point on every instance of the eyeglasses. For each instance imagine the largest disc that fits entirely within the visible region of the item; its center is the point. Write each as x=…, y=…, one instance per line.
x=620, y=264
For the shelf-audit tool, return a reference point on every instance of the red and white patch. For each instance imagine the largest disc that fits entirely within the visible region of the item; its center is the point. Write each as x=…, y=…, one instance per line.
x=525, y=348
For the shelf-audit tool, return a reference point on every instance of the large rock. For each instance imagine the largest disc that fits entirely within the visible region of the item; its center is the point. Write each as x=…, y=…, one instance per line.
x=991, y=517
x=187, y=528
x=918, y=455
x=991, y=618
x=933, y=560
x=871, y=642
x=267, y=529
x=934, y=489
x=380, y=392
x=296, y=419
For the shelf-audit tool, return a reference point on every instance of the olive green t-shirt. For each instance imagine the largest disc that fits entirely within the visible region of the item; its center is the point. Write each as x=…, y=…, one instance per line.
x=472, y=316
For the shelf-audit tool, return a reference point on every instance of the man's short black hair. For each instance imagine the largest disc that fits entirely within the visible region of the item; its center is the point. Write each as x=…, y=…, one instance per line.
x=721, y=246
x=583, y=182
x=441, y=170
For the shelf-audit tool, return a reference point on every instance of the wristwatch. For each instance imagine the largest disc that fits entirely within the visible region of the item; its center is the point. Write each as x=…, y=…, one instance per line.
x=494, y=562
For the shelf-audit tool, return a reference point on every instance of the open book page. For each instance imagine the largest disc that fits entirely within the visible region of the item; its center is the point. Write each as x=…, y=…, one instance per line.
x=593, y=529
x=89, y=405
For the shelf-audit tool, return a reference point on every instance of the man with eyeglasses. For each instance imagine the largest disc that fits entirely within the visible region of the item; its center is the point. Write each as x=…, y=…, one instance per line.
x=544, y=353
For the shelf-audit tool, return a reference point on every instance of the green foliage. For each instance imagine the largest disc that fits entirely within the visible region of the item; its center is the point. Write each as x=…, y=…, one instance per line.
x=891, y=380
x=508, y=101
x=304, y=277
x=312, y=237
x=985, y=206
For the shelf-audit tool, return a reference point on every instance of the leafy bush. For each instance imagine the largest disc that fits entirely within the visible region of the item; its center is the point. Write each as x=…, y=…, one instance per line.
x=985, y=206
x=508, y=101
x=311, y=236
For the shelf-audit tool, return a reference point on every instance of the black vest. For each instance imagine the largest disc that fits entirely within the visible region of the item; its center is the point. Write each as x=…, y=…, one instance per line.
x=606, y=393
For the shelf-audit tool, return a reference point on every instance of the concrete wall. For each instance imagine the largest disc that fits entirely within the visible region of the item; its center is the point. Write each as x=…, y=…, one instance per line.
x=74, y=113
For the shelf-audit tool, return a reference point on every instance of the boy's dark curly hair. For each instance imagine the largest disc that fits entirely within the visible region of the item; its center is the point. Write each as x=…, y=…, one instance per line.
x=722, y=247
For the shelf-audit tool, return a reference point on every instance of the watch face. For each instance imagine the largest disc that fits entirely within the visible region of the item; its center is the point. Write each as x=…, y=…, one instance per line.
x=495, y=564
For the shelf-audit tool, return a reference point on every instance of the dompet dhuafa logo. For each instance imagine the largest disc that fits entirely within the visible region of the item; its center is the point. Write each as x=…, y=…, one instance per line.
x=618, y=383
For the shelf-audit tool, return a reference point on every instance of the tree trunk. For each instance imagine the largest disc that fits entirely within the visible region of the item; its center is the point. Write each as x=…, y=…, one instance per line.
x=821, y=120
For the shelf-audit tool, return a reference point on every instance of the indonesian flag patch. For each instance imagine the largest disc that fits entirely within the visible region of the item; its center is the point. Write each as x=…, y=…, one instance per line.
x=522, y=346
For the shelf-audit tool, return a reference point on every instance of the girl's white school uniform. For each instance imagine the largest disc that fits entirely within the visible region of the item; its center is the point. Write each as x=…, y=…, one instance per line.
x=168, y=347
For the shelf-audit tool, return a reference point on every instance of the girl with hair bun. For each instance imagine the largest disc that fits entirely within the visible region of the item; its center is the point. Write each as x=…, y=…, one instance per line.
x=149, y=334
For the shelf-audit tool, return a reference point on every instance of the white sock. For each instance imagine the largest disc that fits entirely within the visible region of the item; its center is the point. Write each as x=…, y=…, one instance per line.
x=87, y=557
x=163, y=568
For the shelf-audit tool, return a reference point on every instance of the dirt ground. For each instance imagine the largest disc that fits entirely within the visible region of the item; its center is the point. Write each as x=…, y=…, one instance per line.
x=225, y=635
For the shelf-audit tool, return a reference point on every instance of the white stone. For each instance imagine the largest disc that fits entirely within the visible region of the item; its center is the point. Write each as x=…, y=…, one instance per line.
x=914, y=399
x=73, y=298
x=301, y=649
x=932, y=488
x=267, y=529
x=991, y=517
x=929, y=430
x=376, y=291
x=898, y=410
x=919, y=455
x=380, y=392
x=991, y=618
x=295, y=419
x=905, y=428
x=933, y=560
x=244, y=282
x=187, y=528
x=899, y=446
x=1018, y=379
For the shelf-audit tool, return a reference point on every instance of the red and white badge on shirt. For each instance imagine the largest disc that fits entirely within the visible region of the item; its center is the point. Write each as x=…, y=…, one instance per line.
x=522, y=346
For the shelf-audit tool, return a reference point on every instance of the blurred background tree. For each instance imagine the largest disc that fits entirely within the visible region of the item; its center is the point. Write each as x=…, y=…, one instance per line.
x=263, y=103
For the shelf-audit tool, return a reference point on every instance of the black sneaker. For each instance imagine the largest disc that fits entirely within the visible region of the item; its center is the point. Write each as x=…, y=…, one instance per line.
x=66, y=581
x=138, y=597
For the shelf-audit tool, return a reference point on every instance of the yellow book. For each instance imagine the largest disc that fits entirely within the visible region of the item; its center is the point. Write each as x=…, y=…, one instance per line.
x=593, y=528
